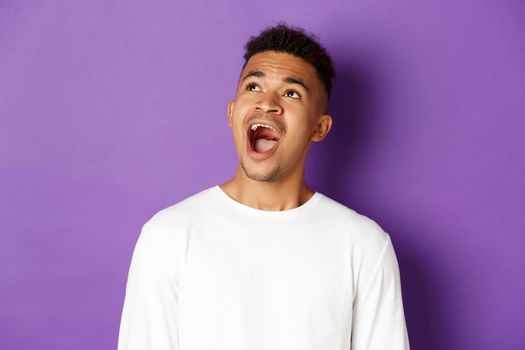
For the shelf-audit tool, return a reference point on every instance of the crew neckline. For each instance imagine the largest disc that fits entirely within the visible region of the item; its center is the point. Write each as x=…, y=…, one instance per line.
x=314, y=199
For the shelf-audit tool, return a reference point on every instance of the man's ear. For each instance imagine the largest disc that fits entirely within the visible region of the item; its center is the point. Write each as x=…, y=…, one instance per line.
x=322, y=128
x=231, y=105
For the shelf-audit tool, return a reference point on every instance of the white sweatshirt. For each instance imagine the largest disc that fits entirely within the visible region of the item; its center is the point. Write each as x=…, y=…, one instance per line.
x=210, y=273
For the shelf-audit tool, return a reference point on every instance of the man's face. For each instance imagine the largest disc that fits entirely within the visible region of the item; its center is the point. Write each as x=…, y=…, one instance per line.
x=281, y=92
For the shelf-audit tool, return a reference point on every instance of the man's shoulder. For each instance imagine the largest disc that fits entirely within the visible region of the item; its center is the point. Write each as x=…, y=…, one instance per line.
x=358, y=226
x=185, y=210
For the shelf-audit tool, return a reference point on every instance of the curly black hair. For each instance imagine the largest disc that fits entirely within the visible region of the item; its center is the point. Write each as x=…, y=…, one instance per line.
x=295, y=41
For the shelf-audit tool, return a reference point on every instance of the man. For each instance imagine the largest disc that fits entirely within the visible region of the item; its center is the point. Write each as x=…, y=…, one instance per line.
x=262, y=261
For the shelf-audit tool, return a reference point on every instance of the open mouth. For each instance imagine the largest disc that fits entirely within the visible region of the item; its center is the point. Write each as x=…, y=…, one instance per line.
x=263, y=138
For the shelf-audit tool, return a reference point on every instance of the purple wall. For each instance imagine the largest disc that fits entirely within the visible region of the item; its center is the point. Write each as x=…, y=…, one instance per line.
x=112, y=110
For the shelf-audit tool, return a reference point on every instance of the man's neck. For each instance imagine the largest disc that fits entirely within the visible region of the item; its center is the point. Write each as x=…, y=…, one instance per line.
x=275, y=195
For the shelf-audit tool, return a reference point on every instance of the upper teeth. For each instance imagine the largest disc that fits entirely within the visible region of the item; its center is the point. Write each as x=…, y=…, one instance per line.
x=255, y=126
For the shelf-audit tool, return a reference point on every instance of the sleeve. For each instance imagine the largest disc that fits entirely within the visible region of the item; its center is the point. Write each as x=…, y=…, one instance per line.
x=149, y=315
x=378, y=316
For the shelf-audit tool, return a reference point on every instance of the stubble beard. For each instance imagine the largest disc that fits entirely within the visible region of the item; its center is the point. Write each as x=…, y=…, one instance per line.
x=269, y=176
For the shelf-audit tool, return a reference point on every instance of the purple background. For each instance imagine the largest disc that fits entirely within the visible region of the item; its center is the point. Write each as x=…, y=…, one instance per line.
x=113, y=110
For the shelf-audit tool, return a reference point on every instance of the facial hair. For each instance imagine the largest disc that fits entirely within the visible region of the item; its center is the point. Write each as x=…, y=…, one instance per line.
x=270, y=176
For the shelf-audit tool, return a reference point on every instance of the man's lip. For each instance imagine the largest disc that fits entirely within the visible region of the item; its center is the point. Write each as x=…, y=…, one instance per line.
x=259, y=155
x=278, y=129
x=250, y=136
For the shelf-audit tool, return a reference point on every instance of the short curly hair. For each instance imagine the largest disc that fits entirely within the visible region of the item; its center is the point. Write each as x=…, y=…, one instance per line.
x=295, y=41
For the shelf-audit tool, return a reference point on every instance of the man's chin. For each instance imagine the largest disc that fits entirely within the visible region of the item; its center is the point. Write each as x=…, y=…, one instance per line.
x=265, y=175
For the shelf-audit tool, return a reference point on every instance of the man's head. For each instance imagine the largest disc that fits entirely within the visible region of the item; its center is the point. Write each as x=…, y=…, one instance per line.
x=295, y=41
x=281, y=102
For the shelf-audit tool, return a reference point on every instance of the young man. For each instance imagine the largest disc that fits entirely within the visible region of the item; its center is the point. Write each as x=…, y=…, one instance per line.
x=262, y=261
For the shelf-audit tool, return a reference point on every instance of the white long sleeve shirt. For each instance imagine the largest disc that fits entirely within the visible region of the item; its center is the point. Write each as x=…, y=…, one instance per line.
x=210, y=273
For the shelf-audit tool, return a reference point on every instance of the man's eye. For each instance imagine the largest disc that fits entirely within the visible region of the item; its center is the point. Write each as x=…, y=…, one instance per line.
x=292, y=94
x=253, y=87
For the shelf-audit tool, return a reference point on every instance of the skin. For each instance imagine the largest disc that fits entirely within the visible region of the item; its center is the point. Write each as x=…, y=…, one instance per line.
x=276, y=183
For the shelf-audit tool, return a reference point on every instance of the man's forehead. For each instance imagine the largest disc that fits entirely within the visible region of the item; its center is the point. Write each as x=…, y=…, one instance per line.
x=278, y=63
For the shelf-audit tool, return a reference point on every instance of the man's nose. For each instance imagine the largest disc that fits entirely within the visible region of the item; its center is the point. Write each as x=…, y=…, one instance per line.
x=268, y=103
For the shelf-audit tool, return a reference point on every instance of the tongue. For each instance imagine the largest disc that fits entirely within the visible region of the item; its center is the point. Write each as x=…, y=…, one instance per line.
x=263, y=145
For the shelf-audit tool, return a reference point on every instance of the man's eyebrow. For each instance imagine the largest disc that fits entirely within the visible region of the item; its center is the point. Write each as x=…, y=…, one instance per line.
x=254, y=73
x=289, y=80
x=298, y=81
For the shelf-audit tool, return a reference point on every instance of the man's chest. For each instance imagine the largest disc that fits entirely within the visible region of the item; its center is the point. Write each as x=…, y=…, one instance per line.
x=262, y=282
